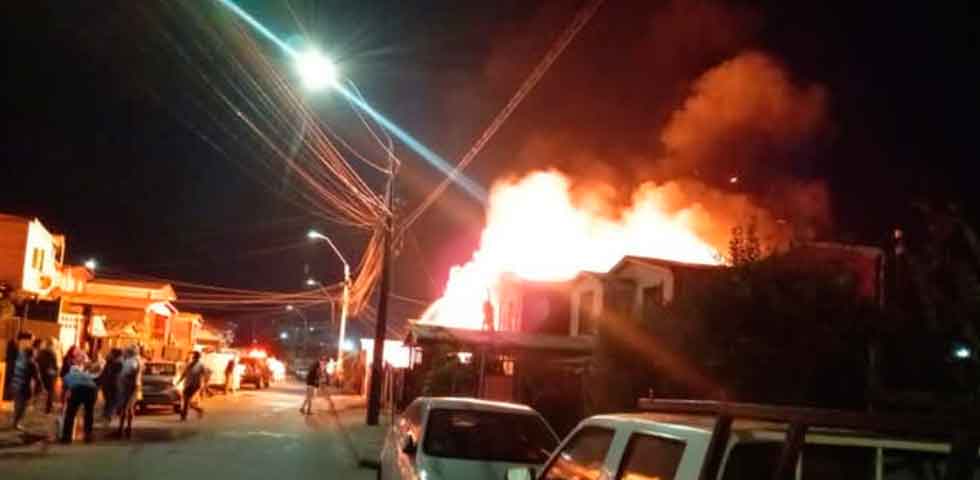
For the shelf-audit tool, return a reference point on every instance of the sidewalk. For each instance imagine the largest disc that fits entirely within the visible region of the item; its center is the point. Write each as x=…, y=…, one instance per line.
x=364, y=441
x=37, y=425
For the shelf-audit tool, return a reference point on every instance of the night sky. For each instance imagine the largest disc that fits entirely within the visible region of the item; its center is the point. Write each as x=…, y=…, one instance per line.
x=105, y=138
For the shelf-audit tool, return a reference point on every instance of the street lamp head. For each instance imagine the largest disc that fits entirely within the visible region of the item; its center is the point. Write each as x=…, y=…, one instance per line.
x=91, y=264
x=315, y=235
x=289, y=308
x=310, y=282
x=316, y=70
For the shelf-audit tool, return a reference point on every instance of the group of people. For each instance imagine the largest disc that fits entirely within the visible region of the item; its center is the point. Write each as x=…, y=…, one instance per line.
x=118, y=378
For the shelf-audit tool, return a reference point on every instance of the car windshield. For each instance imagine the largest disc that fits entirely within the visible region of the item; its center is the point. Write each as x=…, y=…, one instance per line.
x=488, y=436
x=160, y=369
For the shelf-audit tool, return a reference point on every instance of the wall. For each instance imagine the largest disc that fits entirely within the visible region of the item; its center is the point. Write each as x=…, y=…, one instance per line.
x=586, y=283
x=13, y=244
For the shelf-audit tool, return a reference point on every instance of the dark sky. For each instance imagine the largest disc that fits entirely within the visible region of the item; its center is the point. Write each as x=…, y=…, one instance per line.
x=107, y=139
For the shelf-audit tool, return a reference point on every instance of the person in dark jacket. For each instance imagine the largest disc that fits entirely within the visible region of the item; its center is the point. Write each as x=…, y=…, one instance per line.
x=25, y=375
x=312, y=384
x=81, y=383
x=229, y=375
x=193, y=379
x=108, y=382
x=47, y=362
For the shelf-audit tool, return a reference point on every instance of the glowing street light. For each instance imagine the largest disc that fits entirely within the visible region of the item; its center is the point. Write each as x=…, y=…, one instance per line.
x=316, y=70
x=290, y=308
x=311, y=282
x=284, y=335
x=345, y=300
x=91, y=264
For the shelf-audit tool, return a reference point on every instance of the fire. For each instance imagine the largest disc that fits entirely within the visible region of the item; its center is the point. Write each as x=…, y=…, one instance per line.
x=537, y=231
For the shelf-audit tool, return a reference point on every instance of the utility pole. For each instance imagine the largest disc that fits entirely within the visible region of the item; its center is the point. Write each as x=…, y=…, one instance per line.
x=343, y=321
x=381, y=327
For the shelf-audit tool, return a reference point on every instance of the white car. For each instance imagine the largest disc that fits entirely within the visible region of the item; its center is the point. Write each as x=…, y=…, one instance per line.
x=685, y=446
x=464, y=438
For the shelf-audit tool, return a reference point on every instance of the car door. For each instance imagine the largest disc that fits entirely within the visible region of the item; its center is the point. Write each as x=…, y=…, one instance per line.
x=397, y=464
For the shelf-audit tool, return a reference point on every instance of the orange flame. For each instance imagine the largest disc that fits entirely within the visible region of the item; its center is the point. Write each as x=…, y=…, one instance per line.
x=536, y=231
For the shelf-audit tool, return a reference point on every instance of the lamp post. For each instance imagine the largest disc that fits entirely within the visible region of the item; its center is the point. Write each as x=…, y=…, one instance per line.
x=345, y=299
x=317, y=72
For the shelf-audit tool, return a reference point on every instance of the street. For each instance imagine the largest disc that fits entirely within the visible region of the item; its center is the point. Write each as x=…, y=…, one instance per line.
x=251, y=435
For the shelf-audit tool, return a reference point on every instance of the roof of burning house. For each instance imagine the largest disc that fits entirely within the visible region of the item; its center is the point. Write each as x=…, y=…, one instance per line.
x=423, y=333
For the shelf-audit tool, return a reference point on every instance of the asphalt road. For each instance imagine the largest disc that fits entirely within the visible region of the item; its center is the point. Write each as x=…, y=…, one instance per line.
x=251, y=435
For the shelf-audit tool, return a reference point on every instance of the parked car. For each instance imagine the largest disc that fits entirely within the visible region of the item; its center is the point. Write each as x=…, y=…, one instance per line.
x=750, y=442
x=160, y=386
x=457, y=438
x=256, y=372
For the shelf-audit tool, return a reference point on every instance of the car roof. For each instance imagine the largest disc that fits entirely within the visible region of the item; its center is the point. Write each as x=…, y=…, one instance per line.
x=756, y=430
x=476, y=404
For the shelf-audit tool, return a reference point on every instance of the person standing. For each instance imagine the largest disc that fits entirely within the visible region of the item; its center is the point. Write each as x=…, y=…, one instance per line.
x=229, y=374
x=47, y=362
x=25, y=375
x=108, y=382
x=83, y=390
x=192, y=377
x=129, y=390
x=312, y=384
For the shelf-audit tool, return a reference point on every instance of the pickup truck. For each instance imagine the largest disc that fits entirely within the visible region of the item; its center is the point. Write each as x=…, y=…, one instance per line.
x=688, y=440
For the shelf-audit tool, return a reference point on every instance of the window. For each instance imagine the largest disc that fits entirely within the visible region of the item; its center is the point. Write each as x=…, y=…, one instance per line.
x=490, y=436
x=751, y=461
x=163, y=369
x=836, y=461
x=587, y=324
x=651, y=458
x=582, y=457
x=37, y=259
x=914, y=465
x=653, y=301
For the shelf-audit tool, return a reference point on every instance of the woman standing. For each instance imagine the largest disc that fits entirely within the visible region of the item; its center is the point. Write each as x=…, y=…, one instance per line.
x=130, y=390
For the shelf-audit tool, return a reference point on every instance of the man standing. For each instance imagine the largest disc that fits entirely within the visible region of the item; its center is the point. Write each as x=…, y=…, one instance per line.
x=192, y=377
x=25, y=374
x=312, y=384
x=81, y=384
x=47, y=363
x=108, y=382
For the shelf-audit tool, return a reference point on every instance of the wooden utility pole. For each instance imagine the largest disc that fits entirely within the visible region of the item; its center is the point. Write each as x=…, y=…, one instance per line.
x=381, y=327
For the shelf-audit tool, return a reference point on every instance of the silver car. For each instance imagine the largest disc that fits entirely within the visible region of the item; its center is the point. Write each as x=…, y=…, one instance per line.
x=455, y=438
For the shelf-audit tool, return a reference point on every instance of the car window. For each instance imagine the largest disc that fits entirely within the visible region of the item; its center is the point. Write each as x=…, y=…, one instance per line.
x=489, y=436
x=837, y=461
x=582, y=457
x=651, y=458
x=913, y=465
x=160, y=369
x=753, y=460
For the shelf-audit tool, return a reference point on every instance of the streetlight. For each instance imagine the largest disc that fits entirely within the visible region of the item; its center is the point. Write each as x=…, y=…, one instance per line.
x=311, y=282
x=316, y=70
x=345, y=301
x=91, y=264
